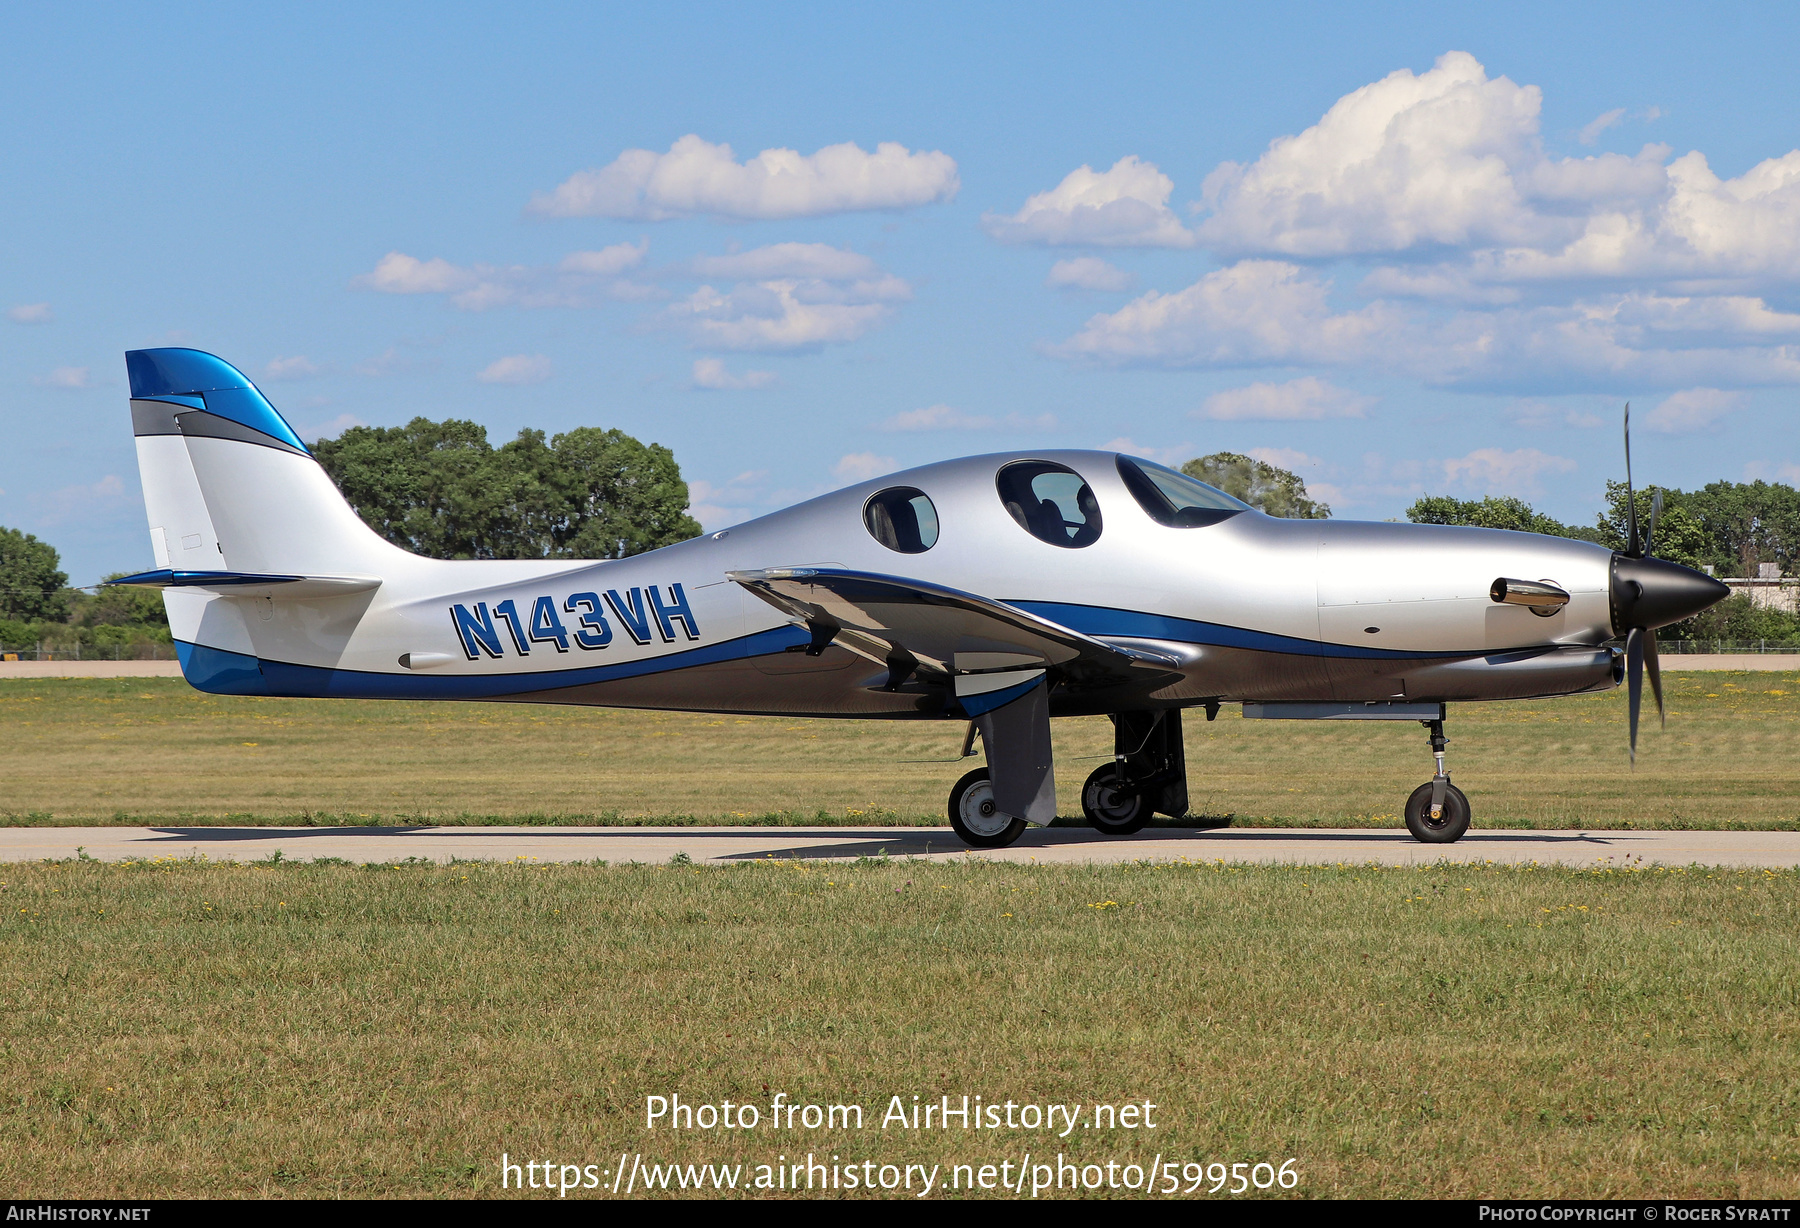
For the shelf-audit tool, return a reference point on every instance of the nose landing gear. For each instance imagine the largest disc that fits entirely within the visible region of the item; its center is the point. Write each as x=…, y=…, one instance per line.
x=1437, y=812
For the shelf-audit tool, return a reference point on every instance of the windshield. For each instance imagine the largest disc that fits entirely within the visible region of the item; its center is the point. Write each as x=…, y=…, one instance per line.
x=1173, y=498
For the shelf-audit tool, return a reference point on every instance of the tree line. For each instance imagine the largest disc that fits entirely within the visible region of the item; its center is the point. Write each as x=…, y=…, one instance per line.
x=1727, y=528
x=440, y=489
x=37, y=606
x=1731, y=528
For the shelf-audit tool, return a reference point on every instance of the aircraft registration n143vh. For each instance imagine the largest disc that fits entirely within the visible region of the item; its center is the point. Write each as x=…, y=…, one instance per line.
x=998, y=590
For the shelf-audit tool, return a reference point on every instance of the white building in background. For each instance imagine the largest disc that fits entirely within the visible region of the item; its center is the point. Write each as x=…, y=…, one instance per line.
x=1768, y=589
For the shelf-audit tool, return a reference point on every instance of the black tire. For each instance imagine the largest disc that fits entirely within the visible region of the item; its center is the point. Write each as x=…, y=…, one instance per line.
x=1446, y=830
x=1109, y=811
x=974, y=817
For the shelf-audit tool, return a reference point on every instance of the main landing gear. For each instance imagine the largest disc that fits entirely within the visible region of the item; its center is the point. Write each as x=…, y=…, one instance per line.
x=1148, y=774
x=1437, y=812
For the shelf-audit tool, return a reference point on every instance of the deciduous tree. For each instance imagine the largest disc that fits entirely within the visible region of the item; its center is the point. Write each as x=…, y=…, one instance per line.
x=441, y=490
x=1268, y=488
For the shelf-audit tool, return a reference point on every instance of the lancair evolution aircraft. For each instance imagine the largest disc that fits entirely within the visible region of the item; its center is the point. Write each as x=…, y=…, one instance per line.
x=999, y=590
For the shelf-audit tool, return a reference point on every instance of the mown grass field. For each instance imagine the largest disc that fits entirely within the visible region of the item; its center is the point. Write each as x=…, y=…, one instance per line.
x=182, y=1029
x=156, y=751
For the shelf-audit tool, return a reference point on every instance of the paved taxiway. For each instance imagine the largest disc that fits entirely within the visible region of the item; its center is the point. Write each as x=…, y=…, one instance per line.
x=1311, y=846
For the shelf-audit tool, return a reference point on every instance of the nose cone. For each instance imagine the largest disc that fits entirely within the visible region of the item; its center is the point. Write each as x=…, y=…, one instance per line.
x=1654, y=593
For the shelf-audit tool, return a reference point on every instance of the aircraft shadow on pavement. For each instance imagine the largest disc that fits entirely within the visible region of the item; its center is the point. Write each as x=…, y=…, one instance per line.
x=1237, y=842
x=914, y=842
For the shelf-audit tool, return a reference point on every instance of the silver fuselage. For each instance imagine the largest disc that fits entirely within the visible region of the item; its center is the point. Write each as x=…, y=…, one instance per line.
x=1253, y=608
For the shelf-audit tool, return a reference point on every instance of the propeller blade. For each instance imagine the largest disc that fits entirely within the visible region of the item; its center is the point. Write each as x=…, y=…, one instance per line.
x=1631, y=536
x=1634, y=682
x=1655, y=514
x=1653, y=666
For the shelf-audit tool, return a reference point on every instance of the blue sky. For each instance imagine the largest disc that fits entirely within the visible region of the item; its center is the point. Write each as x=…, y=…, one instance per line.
x=1398, y=248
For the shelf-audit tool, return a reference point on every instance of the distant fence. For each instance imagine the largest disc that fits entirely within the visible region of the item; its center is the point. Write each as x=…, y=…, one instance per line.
x=141, y=650
x=1723, y=647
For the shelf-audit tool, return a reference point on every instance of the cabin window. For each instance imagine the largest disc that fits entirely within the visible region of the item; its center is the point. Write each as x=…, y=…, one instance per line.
x=1051, y=502
x=902, y=518
x=1173, y=498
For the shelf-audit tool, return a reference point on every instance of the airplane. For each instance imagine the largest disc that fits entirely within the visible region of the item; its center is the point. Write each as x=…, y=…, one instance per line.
x=1001, y=590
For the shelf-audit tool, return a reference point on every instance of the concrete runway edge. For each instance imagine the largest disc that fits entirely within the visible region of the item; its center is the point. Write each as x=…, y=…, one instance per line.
x=1058, y=845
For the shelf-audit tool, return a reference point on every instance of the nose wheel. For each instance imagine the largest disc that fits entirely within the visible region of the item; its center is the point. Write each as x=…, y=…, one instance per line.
x=975, y=817
x=1437, y=812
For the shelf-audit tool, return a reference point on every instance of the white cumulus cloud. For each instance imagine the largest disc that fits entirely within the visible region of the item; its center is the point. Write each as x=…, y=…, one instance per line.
x=1536, y=415
x=516, y=369
x=1308, y=399
x=85, y=503
x=1174, y=456
x=297, y=367
x=329, y=428
x=816, y=260
x=1285, y=458
x=711, y=373
x=66, y=377
x=1257, y=311
x=949, y=418
x=1691, y=409
x=1451, y=162
x=1264, y=312
x=798, y=296
x=398, y=273
x=697, y=177
x=1590, y=131
x=1410, y=159
x=937, y=418
x=861, y=466
x=29, y=313
x=1088, y=273
x=1495, y=471
x=1125, y=206
x=578, y=280
x=607, y=262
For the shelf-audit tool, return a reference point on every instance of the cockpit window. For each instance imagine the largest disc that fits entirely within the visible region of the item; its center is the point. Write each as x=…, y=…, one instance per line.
x=902, y=518
x=1173, y=498
x=1051, y=502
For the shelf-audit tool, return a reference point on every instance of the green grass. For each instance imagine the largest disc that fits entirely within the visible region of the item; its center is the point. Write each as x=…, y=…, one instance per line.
x=155, y=751
x=182, y=1029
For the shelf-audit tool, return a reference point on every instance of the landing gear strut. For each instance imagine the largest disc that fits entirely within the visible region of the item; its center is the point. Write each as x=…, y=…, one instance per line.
x=1148, y=774
x=1437, y=812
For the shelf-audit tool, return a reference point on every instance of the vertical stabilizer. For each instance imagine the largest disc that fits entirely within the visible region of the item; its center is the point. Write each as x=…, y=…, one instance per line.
x=228, y=485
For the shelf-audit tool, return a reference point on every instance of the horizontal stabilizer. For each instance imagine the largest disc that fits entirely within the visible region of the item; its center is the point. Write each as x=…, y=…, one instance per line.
x=250, y=584
x=911, y=624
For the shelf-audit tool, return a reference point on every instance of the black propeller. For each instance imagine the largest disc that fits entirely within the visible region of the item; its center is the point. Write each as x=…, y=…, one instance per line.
x=1647, y=593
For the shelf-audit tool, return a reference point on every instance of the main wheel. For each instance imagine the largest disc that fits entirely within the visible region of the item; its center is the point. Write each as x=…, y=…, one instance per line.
x=1110, y=809
x=1448, y=827
x=975, y=817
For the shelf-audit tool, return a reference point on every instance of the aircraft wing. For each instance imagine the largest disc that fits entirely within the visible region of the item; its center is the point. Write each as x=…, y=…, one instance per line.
x=992, y=651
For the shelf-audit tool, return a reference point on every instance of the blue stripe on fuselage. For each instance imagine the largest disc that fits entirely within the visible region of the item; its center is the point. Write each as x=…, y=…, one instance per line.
x=234, y=673
x=1104, y=620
